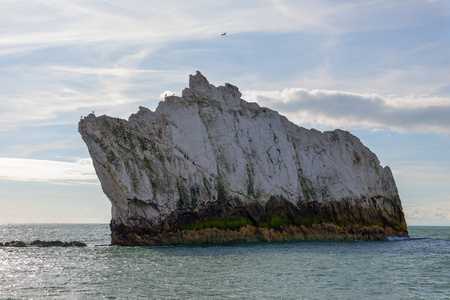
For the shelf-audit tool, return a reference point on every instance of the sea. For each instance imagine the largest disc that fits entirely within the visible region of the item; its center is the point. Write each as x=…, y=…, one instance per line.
x=400, y=268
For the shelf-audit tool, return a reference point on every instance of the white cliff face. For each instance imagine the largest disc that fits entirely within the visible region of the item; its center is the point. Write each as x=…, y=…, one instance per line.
x=210, y=143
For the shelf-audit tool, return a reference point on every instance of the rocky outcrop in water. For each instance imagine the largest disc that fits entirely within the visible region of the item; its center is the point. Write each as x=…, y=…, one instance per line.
x=209, y=167
x=39, y=243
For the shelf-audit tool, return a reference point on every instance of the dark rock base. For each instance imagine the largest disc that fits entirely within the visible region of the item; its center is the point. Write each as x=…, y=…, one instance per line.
x=39, y=243
x=276, y=221
x=252, y=234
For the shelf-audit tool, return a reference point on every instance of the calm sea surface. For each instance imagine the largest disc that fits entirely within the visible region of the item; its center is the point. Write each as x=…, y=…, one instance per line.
x=415, y=268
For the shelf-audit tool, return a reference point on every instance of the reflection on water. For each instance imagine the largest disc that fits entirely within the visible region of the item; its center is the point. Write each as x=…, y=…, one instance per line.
x=412, y=268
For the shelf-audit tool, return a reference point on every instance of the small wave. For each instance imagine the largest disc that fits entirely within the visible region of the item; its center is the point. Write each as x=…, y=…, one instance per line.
x=397, y=238
x=438, y=238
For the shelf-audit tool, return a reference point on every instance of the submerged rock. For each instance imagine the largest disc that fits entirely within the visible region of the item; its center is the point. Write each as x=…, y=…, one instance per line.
x=209, y=167
x=39, y=243
x=15, y=244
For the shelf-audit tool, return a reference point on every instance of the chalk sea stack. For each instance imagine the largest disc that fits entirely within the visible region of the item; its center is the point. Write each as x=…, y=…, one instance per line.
x=209, y=167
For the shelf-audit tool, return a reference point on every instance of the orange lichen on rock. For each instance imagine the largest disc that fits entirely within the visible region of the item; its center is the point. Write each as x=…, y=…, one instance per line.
x=253, y=234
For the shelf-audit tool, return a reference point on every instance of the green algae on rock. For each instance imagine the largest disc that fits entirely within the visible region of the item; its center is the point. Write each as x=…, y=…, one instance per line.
x=209, y=167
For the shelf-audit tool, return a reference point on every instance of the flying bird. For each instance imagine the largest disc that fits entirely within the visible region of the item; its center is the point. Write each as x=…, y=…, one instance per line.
x=223, y=34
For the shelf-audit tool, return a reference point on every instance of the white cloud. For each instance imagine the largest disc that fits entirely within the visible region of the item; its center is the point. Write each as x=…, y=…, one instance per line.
x=56, y=23
x=21, y=217
x=423, y=174
x=79, y=171
x=326, y=108
x=40, y=91
x=48, y=95
x=119, y=72
x=437, y=214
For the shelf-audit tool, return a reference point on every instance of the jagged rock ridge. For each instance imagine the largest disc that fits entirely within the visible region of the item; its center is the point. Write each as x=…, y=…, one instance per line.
x=210, y=167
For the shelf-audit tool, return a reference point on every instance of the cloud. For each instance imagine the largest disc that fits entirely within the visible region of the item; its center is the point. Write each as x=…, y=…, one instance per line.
x=326, y=108
x=58, y=23
x=422, y=174
x=432, y=214
x=51, y=91
x=63, y=56
x=79, y=171
x=25, y=217
x=41, y=24
x=119, y=72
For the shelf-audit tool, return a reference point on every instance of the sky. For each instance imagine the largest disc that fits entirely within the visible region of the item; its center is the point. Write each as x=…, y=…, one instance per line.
x=377, y=68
